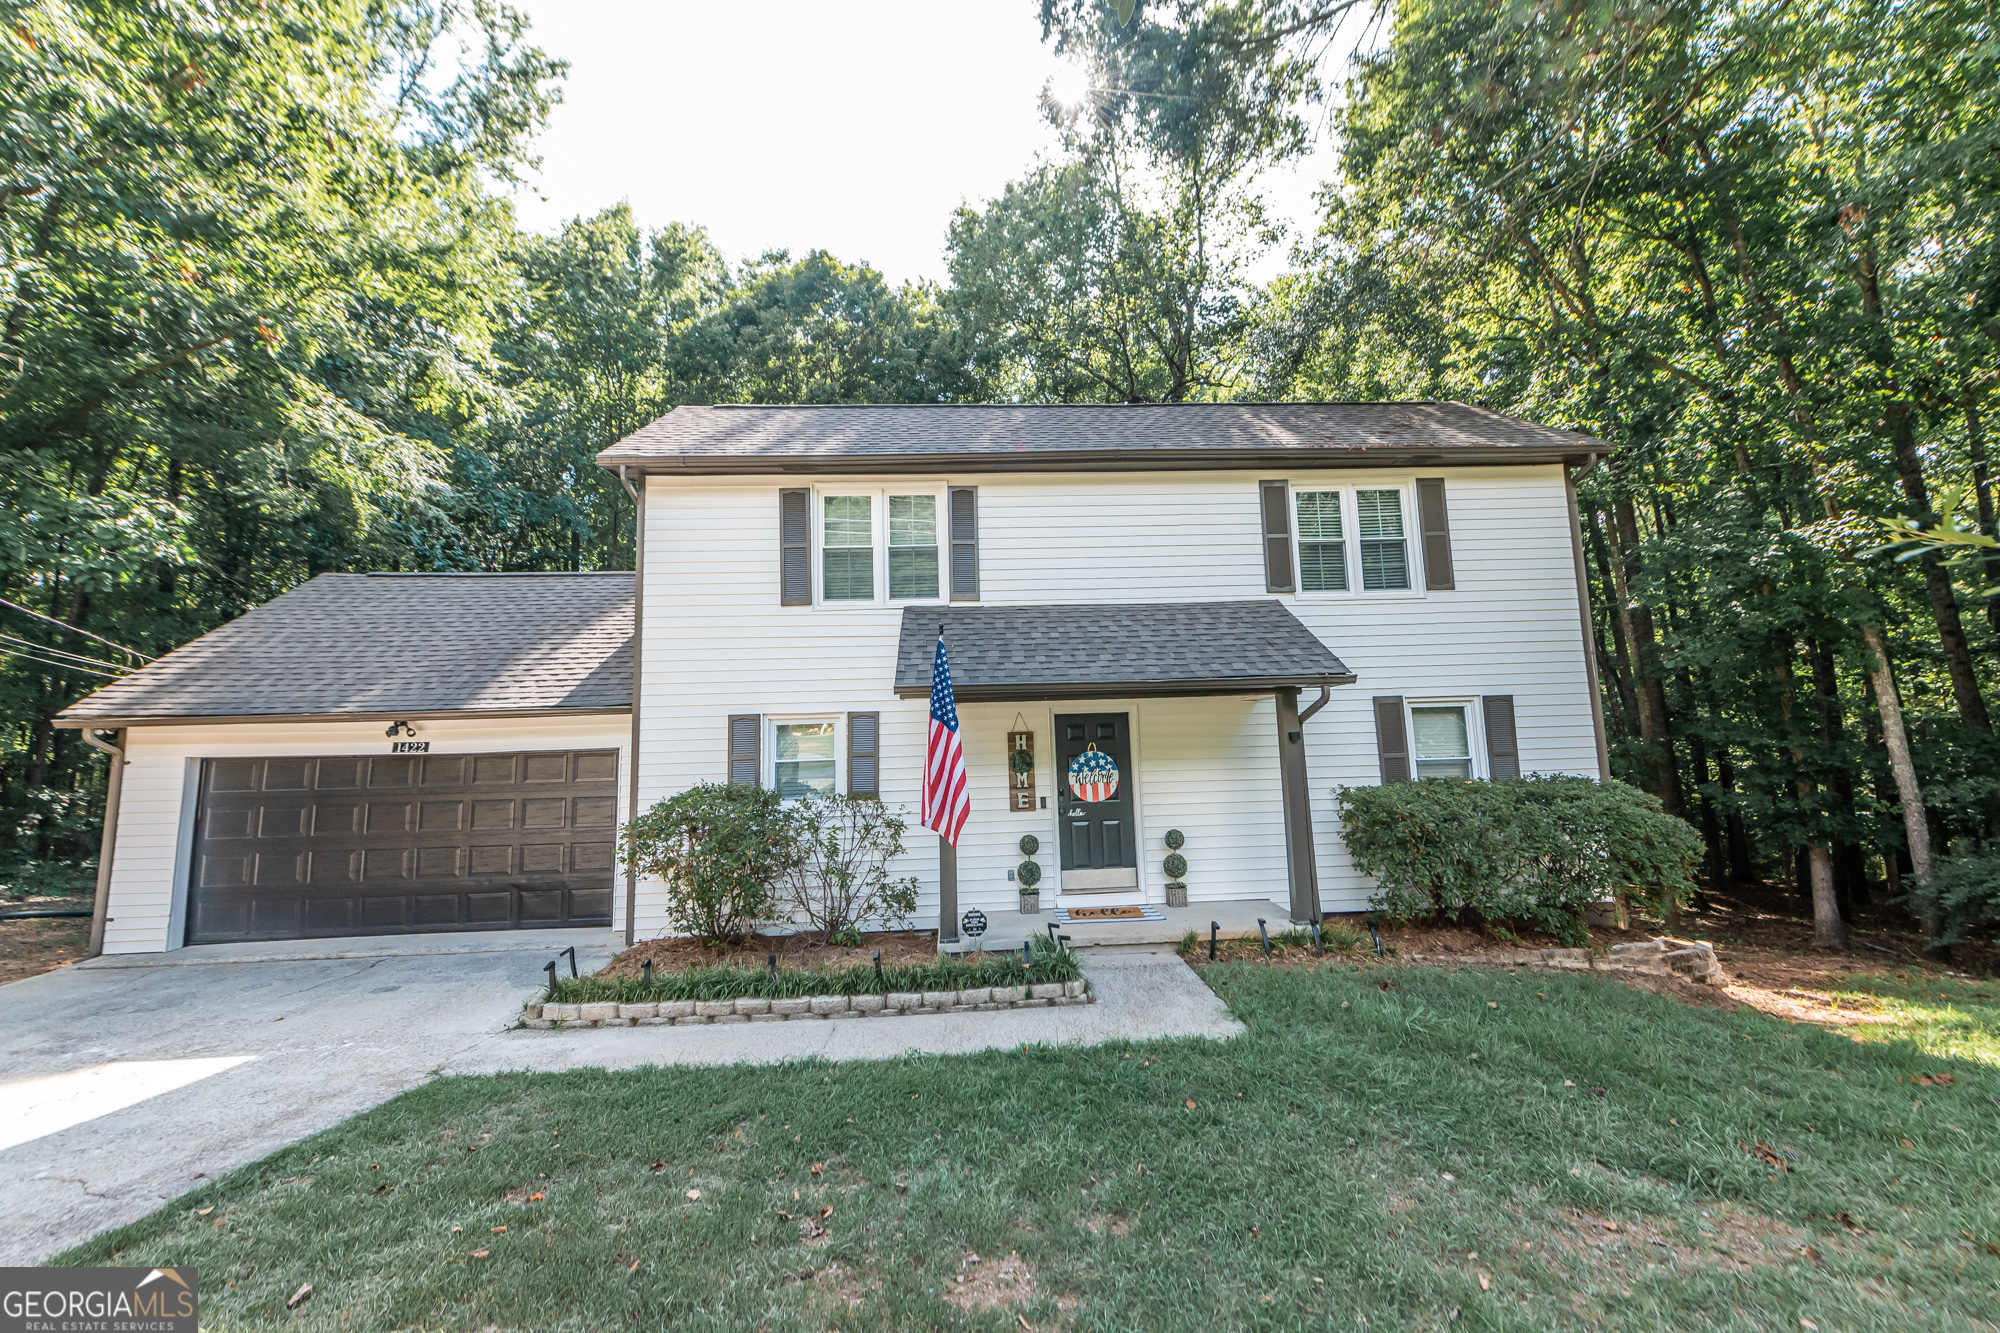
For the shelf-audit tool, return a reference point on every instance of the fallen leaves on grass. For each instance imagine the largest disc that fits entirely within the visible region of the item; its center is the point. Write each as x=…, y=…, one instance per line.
x=499, y=1230
x=694, y=1194
x=481, y=1254
x=204, y=1212
x=1931, y=1080
x=819, y=1168
x=299, y=1296
x=536, y=1197
x=1763, y=1152
x=1190, y=1103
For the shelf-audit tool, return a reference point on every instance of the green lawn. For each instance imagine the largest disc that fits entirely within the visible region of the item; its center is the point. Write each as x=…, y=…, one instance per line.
x=1362, y=1158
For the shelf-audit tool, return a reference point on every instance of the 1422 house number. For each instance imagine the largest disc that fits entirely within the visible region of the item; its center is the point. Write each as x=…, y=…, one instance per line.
x=409, y=747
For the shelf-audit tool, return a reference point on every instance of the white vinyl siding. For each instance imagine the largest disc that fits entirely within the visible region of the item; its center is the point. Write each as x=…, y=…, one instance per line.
x=711, y=648
x=1385, y=558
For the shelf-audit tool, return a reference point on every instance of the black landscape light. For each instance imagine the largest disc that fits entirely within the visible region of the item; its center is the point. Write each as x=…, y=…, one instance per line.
x=771, y=961
x=1052, y=932
x=879, y=983
x=1026, y=960
x=646, y=974
x=1214, y=929
x=1378, y=936
x=550, y=968
x=1265, y=935
x=1319, y=949
x=571, y=951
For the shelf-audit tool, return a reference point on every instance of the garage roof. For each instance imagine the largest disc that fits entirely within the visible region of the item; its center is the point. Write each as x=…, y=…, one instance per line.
x=891, y=437
x=1113, y=651
x=394, y=645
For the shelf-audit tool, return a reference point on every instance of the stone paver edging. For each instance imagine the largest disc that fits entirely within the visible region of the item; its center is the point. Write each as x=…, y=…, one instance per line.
x=1661, y=957
x=698, y=1013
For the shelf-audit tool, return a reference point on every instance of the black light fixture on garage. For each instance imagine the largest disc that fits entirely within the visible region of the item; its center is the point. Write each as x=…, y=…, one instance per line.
x=401, y=726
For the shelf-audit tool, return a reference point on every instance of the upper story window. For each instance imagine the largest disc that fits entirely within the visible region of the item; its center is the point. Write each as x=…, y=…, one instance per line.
x=913, y=546
x=873, y=543
x=847, y=549
x=1341, y=529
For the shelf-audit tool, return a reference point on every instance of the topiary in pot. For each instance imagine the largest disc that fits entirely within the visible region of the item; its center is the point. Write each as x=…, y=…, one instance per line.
x=1030, y=844
x=1029, y=876
x=1175, y=865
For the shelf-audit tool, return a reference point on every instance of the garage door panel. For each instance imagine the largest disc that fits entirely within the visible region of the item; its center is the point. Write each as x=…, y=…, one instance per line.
x=451, y=842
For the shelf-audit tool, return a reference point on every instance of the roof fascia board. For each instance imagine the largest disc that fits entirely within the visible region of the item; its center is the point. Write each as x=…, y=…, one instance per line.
x=399, y=715
x=1137, y=689
x=1121, y=460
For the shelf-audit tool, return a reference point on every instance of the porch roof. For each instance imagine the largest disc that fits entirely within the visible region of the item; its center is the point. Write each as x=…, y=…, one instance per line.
x=1099, y=650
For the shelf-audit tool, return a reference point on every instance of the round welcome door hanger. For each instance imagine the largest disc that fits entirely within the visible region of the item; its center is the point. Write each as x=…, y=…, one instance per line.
x=1093, y=776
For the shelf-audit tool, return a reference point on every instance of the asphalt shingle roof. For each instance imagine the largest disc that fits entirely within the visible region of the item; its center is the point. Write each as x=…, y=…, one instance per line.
x=1096, y=650
x=388, y=644
x=740, y=437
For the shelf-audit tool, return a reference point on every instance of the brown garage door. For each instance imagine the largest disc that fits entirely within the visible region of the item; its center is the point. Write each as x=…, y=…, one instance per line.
x=381, y=845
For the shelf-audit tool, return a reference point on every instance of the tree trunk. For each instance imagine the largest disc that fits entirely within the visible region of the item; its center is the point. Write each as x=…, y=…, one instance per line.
x=1937, y=580
x=1828, y=930
x=1975, y=450
x=1655, y=728
x=1896, y=739
x=1740, y=868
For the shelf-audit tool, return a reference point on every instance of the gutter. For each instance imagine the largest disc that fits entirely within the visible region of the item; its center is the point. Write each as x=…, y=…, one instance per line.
x=114, y=788
x=1128, y=689
x=399, y=715
x=638, y=661
x=1097, y=460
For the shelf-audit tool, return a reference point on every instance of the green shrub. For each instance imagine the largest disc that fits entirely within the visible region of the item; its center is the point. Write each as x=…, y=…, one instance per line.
x=721, y=850
x=1050, y=962
x=839, y=874
x=1967, y=883
x=1532, y=849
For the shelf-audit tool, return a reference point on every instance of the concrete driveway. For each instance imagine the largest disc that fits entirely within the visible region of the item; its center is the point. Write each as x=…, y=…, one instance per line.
x=126, y=1081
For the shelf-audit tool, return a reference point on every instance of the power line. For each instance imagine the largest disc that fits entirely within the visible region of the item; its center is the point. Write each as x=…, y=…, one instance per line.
x=63, y=624
x=60, y=666
x=57, y=652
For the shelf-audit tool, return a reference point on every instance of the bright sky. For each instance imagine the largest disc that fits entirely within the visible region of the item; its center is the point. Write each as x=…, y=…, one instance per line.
x=853, y=128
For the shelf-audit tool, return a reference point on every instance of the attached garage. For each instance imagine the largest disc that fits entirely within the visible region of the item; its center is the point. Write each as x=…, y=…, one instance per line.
x=376, y=755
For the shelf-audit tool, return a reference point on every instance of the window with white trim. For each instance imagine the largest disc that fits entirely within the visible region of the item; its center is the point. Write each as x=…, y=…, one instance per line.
x=1322, y=542
x=847, y=548
x=803, y=758
x=1385, y=556
x=913, y=547
x=1441, y=740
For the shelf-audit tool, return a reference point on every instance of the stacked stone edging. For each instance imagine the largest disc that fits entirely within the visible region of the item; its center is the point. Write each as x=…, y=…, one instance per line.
x=700, y=1013
x=1663, y=956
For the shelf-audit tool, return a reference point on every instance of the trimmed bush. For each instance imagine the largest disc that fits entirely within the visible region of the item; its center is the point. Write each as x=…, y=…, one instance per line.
x=721, y=850
x=1051, y=962
x=1534, y=849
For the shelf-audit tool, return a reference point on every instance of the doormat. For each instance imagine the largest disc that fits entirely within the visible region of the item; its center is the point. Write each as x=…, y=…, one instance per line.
x=1143, y=912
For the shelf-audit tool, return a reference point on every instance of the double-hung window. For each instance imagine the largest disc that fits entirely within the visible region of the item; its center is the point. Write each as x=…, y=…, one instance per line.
x=1442, y=740
x=847, y=548
x=803, y=759
x=1322, y=543
x=878, y=545
x=1385, y=556
x=913, y=546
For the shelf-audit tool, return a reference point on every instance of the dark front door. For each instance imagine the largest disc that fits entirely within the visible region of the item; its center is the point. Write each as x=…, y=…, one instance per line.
x=1099, y=851
x=383, y=845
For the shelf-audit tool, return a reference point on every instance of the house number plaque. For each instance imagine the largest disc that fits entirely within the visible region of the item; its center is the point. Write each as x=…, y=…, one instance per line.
x=1020, y=770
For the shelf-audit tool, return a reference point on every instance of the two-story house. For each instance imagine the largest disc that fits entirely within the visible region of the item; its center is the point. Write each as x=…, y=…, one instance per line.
x=1238, y=607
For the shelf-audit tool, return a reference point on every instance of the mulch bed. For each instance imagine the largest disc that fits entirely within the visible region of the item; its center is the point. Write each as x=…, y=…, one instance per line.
x=28, y=948
x=804, y=950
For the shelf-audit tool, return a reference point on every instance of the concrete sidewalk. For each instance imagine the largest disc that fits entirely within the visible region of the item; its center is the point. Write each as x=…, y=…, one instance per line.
x=1143, y=993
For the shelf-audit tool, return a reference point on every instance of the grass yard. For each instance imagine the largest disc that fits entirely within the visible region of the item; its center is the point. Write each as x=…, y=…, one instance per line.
x=1467, y=1148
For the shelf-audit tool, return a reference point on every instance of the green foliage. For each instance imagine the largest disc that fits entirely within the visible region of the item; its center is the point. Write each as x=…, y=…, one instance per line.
x=1176, y=839
x=1047, y=963
x=1175, y=865
x=1030, y=844
x=721, y=850
x=1534, y=849
x=1967, y=884
x=839, y=868
x=1029, y=875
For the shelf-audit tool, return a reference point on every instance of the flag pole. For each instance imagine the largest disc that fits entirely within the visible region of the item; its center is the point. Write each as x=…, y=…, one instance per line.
x=947, y=877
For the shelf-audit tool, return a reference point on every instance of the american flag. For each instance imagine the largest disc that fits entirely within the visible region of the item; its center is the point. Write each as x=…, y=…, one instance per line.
x=947, y=796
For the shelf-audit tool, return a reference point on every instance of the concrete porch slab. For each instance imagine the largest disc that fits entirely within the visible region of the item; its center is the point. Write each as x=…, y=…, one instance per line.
x=1236, y=917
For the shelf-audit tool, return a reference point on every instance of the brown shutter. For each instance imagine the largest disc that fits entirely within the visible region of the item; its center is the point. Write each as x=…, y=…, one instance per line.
x=795, y=548
x=1503, y=750
x=1436, y=534
x=864, y=740
x=965, y=543
x=1392, y=741
x=744, y=731
x=1276, y=500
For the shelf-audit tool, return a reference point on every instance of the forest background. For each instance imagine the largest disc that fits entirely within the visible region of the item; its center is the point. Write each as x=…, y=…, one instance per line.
x=265, y=312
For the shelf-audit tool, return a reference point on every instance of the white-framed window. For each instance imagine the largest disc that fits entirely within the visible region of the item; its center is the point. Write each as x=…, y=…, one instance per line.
x=1353, y=539
x=804, y=758
x=1441, y=736
x=878, y=545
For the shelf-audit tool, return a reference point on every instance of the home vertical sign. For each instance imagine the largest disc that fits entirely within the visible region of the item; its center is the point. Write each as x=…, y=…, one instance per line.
x=1020, y=770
